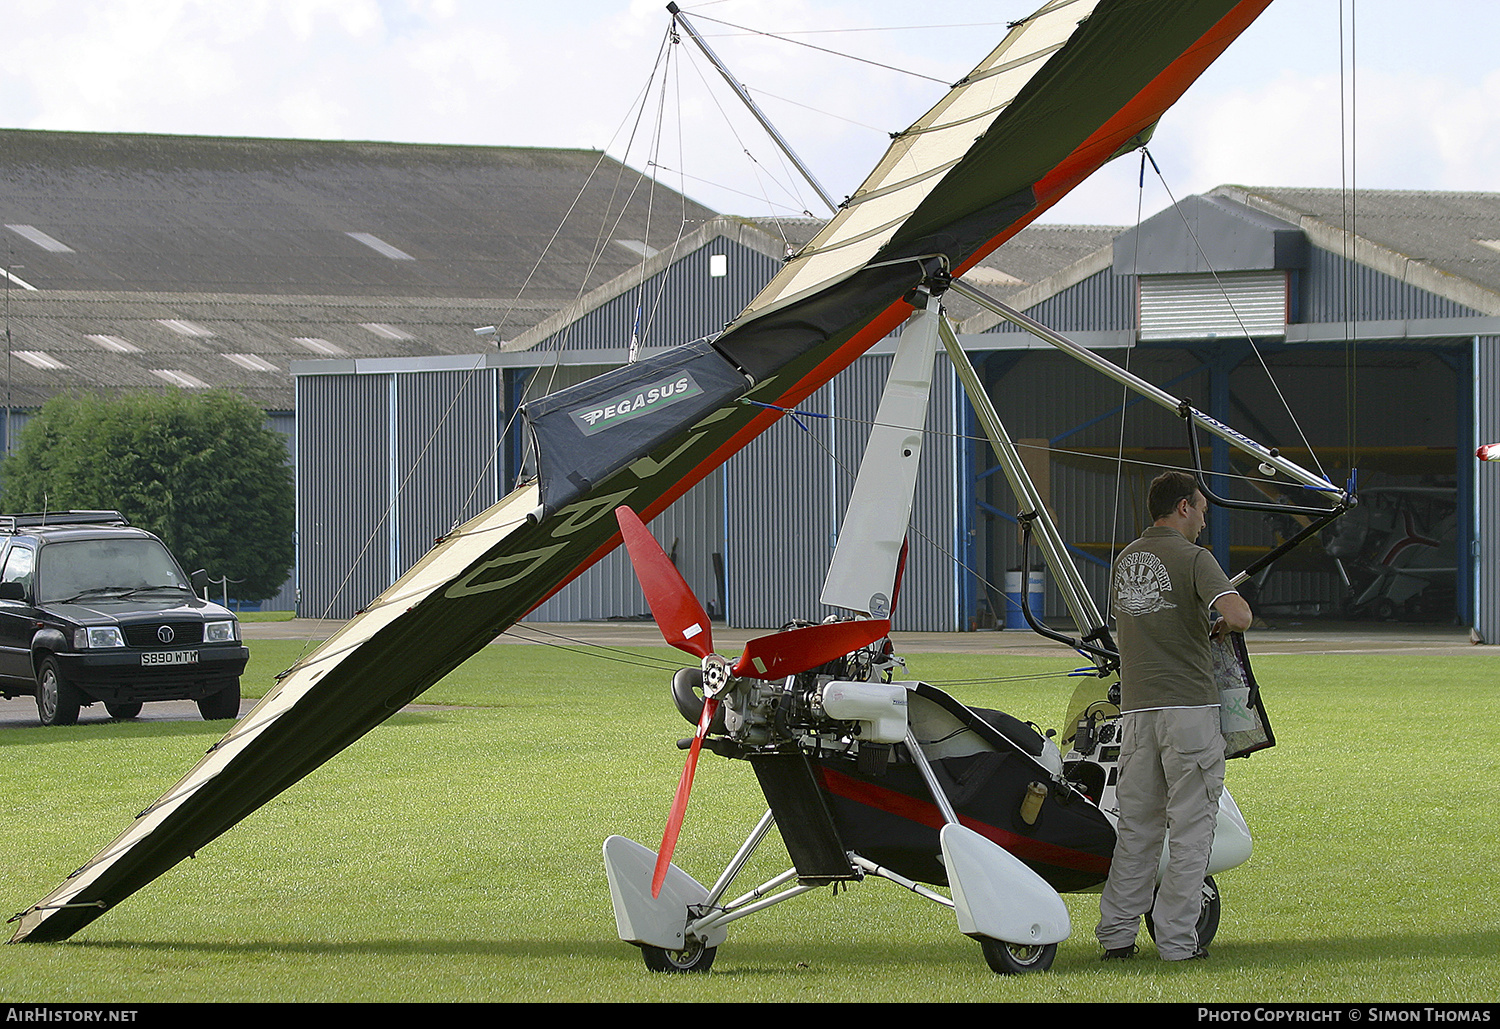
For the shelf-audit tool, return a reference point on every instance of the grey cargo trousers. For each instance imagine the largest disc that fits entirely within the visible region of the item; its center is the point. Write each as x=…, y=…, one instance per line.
x=1171, y=773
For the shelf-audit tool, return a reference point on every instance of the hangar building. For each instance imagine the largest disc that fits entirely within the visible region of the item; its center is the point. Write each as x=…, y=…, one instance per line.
x=339, y=286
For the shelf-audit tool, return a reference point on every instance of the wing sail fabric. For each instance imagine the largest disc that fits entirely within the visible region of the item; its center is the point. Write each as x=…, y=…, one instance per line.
x=1067, y=89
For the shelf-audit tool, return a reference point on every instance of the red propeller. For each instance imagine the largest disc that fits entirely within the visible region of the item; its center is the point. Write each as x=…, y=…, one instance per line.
x=685, y=626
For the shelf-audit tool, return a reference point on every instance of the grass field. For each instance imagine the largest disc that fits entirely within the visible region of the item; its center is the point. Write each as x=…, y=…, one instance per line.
x=453, y=854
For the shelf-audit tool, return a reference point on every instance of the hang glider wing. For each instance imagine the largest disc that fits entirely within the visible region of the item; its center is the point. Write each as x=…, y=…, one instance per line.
x=1068, y=88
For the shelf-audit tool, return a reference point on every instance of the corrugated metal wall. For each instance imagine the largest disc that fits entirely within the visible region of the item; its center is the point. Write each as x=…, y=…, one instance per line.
x=343, y=492
x=781, y=494
x=440, y=430
x=1332, y=289
x=691, y=530
x=388, y=463
x=285, y=423
x=1102, y=301
x=788, y=489
x=445, y=460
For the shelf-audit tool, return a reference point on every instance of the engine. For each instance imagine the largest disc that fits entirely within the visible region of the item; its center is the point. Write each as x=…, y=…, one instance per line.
x=846, y=702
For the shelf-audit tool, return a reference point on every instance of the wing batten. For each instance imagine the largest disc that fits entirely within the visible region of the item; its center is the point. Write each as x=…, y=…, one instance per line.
x=828, y=305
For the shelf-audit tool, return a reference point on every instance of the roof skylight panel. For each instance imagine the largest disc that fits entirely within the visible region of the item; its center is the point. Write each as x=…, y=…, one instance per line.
x=39, y=359
x=387, y=331
x=15, y=279
x=115, y=343
x=179, y=378
x=380, y=246
x=638, y=247
x=253, y=362
x=40, y=238
x=320, y=346
x=185, y=327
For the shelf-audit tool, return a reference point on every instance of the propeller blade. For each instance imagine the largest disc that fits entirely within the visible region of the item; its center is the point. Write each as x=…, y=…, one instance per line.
x=786, y=653
x=678, y=614
x=679, y=802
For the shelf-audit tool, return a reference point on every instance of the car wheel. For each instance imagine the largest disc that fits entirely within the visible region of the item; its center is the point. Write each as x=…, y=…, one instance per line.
x=57, y=700
x=126, y=710
x=223, y=704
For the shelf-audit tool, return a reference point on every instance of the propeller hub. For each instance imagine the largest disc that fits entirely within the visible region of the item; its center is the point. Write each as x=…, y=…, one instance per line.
x=716, y=675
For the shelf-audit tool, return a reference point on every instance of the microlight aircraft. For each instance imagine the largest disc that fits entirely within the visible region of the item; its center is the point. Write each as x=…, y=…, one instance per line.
x=1068, y=88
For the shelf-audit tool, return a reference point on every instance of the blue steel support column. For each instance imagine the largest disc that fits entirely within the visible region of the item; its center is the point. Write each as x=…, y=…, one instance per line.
x=1221, y=364
x=1465, y=364
x=967, y=518
x=514, y=447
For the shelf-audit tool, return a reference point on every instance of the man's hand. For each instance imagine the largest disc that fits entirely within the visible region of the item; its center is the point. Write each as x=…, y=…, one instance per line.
x=1235, y=612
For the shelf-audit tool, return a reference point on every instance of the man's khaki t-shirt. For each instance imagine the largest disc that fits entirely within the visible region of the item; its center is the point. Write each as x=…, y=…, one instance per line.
x=1163, y=588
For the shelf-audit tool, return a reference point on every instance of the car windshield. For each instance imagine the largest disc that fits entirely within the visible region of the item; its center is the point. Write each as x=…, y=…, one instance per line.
x=91, y=567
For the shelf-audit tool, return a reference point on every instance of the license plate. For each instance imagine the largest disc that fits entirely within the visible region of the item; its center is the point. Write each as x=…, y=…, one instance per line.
x=170, y=657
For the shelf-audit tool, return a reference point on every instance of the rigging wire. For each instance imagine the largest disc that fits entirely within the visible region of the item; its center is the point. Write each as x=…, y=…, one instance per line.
x=388, y=514
x=1116, y=543
x=756, y=165
x=1348, y=155
x=597, y=650
x=784, y=38
x=1197, y=244
x=1120, y=459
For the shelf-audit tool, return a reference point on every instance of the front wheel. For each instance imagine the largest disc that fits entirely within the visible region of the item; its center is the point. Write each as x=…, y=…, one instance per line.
x=694, y=958
x=223, y=704
x=57, y=700
x=123, y=710
x=1017, y=958
x=1208, y=915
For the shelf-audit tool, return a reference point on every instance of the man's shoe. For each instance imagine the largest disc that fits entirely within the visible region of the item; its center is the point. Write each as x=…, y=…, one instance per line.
x=1120, y=953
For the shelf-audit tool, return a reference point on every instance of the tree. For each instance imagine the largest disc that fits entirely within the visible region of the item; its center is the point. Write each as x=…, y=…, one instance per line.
x=201, y=470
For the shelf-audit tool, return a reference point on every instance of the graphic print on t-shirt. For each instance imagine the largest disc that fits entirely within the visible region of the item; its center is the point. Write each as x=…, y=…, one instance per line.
x=1140, y=582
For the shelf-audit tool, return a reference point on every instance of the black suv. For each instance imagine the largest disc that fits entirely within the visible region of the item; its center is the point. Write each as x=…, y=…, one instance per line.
x=93, y=609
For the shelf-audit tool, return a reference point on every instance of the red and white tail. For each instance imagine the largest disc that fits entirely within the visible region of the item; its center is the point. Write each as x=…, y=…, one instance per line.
x=1488, y=452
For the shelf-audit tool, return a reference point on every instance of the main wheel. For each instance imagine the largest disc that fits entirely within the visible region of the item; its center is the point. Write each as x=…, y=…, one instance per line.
x=694, y=958
x=1208, y=915
x=224, y=704
x=126, y=710
x=1017, y=958
x=57, y=700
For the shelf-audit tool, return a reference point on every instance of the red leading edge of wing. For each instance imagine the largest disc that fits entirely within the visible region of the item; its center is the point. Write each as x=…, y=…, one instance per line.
x=1135, y=117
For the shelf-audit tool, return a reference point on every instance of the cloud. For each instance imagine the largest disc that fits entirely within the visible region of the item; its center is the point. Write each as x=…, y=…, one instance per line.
x=576, y=75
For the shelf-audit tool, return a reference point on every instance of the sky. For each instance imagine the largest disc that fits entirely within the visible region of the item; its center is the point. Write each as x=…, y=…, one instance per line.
x=1380, y=94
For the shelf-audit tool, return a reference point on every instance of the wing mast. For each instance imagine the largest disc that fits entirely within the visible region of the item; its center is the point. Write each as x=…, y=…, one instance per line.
x=681, y=19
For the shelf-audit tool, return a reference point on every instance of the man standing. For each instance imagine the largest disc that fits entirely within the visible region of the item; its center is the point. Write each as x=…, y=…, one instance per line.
x=1171, y=768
